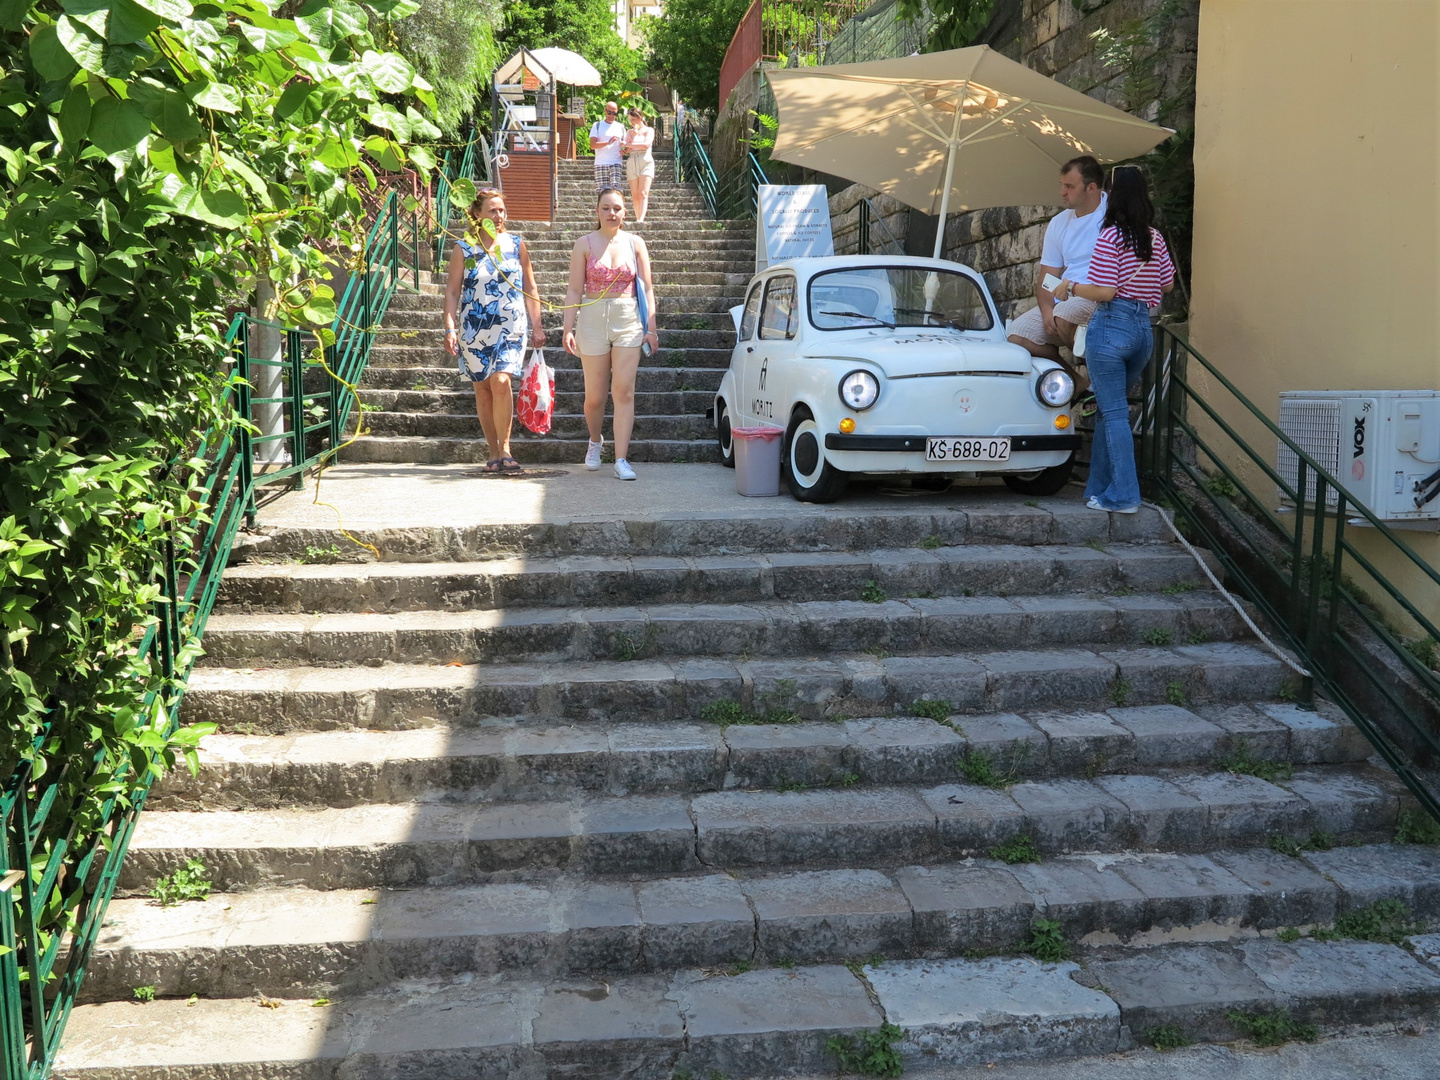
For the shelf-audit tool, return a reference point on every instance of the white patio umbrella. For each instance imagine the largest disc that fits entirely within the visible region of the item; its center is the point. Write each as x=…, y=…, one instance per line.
x=961, y=129
x=568, y=67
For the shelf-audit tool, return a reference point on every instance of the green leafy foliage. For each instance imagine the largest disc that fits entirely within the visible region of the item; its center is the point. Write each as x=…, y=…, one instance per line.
x=1273, y=1028
x=872, y=593
x=1175, y=692
x=956, y=22
x=1022, y=849
x=588, y=28
x=190, y=882
x=686, y=45
x=452, y=44
x=1168, y=1037
x=144, y=994
x=1047, y=941
x=932, y=709
x=1158, y=635
x=1242, y=761
x=158, y=159
x=1417, y=827
x=869, y=1053
x=1385, y=922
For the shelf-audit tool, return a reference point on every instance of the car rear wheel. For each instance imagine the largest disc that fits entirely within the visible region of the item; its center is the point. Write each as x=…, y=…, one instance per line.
x=807, y=474
x=1045, y=482
x=722, y=433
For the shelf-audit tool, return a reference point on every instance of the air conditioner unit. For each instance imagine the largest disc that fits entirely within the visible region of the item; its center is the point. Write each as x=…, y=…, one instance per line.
x=1382, y=445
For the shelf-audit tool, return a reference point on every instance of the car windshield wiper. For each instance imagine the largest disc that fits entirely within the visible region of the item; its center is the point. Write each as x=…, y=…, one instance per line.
x=860, y=315
x=944, y=319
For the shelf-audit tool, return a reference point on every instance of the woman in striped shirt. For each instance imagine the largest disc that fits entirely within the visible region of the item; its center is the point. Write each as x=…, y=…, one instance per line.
x=1129, y=273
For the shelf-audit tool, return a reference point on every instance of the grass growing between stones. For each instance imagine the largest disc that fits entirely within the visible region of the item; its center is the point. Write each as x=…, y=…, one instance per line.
x=1046, y=943
x=869, y=1053
x=1177, y=587
x=1384, y=922
x=1020, y=850
x=1243, y=762
x=1175, y=693
x=935, y=709
x=313, y=554
x=979, y=767
x=144, y=994
x=931, y=542
x=1287, y=845
x=191, y=882
x=730, y=712
x=1168, y=1037
x=1417, y=827
x=1158, y=636
x=872, y=593
x=1120, y=691
x=1273, y=1028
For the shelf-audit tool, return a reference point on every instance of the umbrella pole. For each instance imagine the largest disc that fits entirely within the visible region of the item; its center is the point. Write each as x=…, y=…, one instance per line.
x=945, y=200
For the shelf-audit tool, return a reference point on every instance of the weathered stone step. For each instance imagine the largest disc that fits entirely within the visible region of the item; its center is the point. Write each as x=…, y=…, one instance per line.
x=757, y=1023
x=548, y=451
x=671, y=337
x=399, y=322
x=772, y=628
x=406, y=355
x=530, y=761
x=676, y=296
x=664, y=427
x=972, y=516
x=427, y=843
x=567, y=402
x=233, y=945
x=648, y=691
x=648, y=380
x=588, y=581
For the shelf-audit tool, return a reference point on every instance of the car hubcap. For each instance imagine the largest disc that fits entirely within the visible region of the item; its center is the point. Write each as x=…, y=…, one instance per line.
x=805, y=453
x=724, y=430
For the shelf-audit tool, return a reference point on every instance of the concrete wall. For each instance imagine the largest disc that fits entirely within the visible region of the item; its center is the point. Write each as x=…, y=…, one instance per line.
x=1316, y=259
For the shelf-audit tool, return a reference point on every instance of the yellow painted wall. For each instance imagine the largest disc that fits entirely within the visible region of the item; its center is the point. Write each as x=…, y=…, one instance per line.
x=1317, y=258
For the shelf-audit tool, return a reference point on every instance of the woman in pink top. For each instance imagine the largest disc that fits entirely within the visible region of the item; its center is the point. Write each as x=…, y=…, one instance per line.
x=602, y=324
x=1129, y=273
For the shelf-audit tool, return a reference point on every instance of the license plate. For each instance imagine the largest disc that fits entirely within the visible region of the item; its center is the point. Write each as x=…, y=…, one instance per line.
x=983, y=449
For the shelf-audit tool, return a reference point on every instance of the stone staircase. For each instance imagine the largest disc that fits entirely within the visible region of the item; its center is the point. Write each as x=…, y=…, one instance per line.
x=695, y=795
x=426, y=410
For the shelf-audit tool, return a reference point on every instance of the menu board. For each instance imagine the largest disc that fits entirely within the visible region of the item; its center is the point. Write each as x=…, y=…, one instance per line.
x=793, y=223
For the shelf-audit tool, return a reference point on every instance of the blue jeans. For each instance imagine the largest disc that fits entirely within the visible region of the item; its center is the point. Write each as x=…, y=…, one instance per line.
x=1117, y=346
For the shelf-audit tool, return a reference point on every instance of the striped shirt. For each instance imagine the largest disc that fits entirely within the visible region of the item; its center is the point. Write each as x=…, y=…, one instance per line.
x=1116, y=267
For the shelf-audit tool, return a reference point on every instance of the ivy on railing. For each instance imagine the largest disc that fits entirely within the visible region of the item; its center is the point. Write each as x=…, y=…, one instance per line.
x=1300, y=565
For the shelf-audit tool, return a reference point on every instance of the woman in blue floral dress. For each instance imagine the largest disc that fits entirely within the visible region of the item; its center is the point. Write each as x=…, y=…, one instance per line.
x=491, y=309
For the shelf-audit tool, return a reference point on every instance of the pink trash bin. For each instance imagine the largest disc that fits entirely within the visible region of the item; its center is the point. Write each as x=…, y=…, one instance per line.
x=757, y=460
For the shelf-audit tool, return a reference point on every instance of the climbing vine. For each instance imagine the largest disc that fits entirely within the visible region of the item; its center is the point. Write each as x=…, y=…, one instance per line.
x=159, y=158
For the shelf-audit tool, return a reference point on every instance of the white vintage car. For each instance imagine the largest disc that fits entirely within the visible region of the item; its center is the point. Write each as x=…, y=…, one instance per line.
x=892, y=364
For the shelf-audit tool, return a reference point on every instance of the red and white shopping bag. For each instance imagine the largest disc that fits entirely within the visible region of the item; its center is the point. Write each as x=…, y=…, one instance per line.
x=536, y=406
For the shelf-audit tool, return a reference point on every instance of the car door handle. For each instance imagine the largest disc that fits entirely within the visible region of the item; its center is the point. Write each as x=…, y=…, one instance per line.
x=749, y=348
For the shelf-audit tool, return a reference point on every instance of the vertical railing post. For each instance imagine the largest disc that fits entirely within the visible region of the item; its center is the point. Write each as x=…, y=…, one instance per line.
x=337, y=391
x=1297, y=548
x=244, y=446
x=1335, y=568
x=13, y=1065
x=1312, y=613
x=862, y=228
x=295, y=358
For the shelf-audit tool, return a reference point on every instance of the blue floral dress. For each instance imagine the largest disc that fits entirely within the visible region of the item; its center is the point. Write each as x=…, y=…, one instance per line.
x=493, y=324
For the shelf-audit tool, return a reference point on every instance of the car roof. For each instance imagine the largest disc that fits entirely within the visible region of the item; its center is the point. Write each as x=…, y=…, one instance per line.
x=808, y=267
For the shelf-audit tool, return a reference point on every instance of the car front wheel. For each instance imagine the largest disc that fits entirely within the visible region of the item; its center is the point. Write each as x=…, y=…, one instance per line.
x=1045, y=482
x=722, y=433
x=807, y=474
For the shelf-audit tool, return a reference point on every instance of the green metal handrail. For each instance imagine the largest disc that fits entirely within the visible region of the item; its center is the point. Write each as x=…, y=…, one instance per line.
x=48, y=868
x=732, y=195
x=1188, y=456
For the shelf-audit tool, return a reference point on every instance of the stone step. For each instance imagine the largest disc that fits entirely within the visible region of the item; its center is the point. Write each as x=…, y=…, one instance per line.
x=520, y=761
x=567, y=426
x=965, y=515
x=944, y=627
x=766, y=1022
x=294, y=942
x=400, y=322
x=568, y=381
x=671, y=337
x=291, y=698
x=403, y=449
x=677, y=297
x=400, y=354
x=647, y=403
x=588, y=581
x=429, y=843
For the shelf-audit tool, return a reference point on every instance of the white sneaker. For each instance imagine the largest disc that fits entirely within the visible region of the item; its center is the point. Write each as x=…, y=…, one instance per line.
x=1093, y=503
x=623, y=471
x=592, y=455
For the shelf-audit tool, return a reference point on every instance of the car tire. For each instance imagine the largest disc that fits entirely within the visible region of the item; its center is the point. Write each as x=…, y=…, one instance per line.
x=722, y=433
x=1045, y=482
x=807, y=474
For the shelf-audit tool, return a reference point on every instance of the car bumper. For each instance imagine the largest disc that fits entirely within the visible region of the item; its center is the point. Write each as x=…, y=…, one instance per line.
x=916, y=443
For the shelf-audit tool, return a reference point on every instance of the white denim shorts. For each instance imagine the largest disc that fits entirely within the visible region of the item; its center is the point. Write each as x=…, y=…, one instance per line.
x=1031, y=324
x=601, y=325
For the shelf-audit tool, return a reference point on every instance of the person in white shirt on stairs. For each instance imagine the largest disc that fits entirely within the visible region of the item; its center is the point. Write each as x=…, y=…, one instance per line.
x=605, y=139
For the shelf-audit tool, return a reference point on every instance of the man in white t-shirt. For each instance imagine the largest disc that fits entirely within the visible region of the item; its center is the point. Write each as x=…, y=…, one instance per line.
x=1069, y=242
x=605, y=139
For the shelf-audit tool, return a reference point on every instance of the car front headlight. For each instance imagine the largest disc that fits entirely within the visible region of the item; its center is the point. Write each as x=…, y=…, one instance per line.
x=1055, y=388
x=859, y=390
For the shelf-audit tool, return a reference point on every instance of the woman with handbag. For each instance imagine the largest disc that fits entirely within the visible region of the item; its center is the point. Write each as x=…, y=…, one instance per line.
x=1129, y=273
x=609, y=318
x=489, y=315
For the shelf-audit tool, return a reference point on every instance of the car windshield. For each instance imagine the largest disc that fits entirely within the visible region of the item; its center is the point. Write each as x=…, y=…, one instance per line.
x=893, y=296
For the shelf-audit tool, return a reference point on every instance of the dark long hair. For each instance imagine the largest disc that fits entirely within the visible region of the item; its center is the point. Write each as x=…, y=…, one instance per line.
x=1130, y=210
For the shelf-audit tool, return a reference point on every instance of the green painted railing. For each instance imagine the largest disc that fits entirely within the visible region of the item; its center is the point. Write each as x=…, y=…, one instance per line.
x=1299, y=562
x=49, y=869
x=732, y=195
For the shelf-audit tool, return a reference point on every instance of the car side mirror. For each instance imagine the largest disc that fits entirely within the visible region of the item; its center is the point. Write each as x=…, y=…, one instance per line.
x=736, y=313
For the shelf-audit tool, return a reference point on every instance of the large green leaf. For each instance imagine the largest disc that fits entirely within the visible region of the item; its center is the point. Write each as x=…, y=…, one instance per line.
x=337, y=154
x=85, y=46
x=75, y=117
x=389, y=118
x=390, y=72
x=295, y=95
x=395, y=9
x=386, y=152
x=168, y=9
x=13, y=12
x=213, y=95
x=117, y=125
x=214, y=206
x=169, y=110
x=129, y=23
x=327, y=22
x=51, y=59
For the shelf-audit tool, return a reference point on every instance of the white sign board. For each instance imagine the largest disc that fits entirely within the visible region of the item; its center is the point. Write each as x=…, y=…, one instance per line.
x=793, y=223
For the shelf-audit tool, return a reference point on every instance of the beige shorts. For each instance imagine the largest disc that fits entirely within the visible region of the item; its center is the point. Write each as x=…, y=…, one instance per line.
x=1031, y=325
x=638, y=165
x=601, y=325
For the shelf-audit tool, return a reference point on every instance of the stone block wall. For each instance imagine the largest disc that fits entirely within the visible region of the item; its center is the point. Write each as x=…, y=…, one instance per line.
x=1055, y=37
